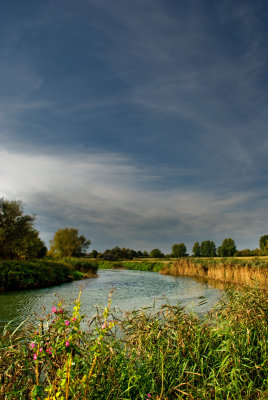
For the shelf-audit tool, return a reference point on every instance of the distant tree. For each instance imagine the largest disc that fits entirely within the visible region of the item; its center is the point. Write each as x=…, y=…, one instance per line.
x=94, y=254
x=227, y=249
x=264, y=242
x=196, y=249
x=179, y=250
x=139, y=254
x=156, y=253
x=67, y=243
x=145, y=254
x=207, y=249
x=18, y=237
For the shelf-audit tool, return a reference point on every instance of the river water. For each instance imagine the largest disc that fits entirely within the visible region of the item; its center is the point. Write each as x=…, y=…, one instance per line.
x=131, y=290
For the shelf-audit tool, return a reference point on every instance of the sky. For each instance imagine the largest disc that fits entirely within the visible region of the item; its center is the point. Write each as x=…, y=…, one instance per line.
x=140, y=123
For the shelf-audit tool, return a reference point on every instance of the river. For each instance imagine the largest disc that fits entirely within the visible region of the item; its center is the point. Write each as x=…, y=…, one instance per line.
x=131, y=290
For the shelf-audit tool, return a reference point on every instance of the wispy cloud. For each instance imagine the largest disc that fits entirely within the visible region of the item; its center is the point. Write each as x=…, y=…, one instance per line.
x=106, y=198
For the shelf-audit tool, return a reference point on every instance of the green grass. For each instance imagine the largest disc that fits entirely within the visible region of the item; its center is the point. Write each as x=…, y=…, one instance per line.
x=168, y=354
x=144, y=265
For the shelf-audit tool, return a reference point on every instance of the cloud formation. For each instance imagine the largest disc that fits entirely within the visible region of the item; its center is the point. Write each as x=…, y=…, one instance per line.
x=142, y=124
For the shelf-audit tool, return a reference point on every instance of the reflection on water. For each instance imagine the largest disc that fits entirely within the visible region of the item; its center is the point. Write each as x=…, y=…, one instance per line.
x=132, y=290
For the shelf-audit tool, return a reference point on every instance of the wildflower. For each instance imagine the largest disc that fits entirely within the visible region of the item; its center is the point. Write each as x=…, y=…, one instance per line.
x=41, y=349
x=149, y=395
x=67, y=343
x=54, y=310
x=67, y=323
x=74, y=319
x=35, y=356
x=32, y=345
x=103, y=326
x=49, y=350
x=60, y=311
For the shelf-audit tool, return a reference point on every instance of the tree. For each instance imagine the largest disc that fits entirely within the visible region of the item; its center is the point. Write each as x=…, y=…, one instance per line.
x=156, y=253
x=179, y=250
x=18, y=237
x=196, y=249
x=67, y=243
x=207, y=249
x=94, y=253
x=264, y=242
x=227, y=249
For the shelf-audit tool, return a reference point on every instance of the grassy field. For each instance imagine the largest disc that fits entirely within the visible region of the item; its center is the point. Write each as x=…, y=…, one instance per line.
x=148, y=355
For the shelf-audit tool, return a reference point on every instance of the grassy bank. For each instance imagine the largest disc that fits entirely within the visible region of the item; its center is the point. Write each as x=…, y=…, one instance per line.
x=230, y=270
x=41, y=273
x=159, y=355
x=152, y=265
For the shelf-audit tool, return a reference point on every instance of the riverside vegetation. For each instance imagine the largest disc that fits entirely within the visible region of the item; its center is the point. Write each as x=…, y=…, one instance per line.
x=165, y=354
x=230, y=270
x=15, y=274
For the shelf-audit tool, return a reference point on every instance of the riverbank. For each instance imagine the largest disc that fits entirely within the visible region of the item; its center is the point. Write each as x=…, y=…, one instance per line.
x=167, y=354
x=229, y=270
x=34, y=274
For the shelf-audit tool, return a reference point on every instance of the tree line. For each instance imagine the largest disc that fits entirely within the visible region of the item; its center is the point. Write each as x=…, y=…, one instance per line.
x=20, y=240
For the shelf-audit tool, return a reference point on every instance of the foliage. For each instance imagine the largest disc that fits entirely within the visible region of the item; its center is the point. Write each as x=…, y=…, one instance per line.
x=163, y=354
x=18, y=238
x=227, y=249
x=196, y=249
x=207, y=249
x=34, y=274
x=156, y=253
x=264, y=242
x=179, y=250
x=67, y=243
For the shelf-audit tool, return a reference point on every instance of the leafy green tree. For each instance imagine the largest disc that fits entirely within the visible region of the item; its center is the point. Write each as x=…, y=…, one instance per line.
x=264, y=242
x=67, y=243
x=18, y=237
x=227, y=249
x=94, y=253
x=179, y=250
x=196, y=249
x=156, y=253
x=207, y=249
x=145, y=254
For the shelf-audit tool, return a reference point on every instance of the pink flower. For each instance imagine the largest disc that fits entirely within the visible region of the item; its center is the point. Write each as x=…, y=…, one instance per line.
x=67, y=343
x=149, y=395
x=73, y=319
x=54, y=310
x=32, y=345
x=41, y=349
x=49, y=350
x=67, y=323
x=35, y=356
x=60, y=311
x=103, y=326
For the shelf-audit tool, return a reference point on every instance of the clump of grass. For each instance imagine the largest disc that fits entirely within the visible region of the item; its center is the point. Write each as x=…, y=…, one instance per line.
x=165, y=354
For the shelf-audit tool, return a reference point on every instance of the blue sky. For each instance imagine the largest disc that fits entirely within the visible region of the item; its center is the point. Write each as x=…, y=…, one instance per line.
x=141, y=123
